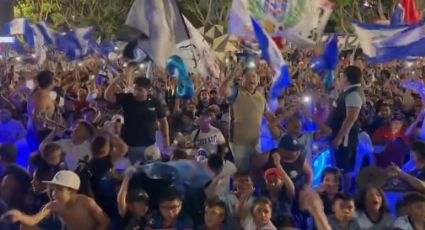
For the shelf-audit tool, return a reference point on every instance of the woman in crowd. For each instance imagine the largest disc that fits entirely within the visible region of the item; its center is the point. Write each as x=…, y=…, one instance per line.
x=372, y=209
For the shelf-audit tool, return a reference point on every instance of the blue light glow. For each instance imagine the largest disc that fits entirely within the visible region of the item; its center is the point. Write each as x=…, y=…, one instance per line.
x=322, y=161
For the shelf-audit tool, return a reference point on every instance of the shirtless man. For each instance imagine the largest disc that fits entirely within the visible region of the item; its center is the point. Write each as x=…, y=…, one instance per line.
x=40, y=102
x=77, y=212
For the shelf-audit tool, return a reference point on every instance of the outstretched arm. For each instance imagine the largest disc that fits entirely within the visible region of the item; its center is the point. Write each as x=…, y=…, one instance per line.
x=27, y=220
x=122, y=194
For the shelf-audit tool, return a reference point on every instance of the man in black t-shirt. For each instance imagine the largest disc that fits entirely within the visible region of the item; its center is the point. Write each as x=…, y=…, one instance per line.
x=142, y=111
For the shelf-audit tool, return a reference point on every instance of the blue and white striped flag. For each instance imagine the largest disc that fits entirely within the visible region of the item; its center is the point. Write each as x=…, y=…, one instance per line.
x=272, y=55
x=398, y=16
x=404, y=45
x=75, y=44
x=84, y=36
x=48, y=34
x=20, y=26
x=40, y=48
x=371, y=35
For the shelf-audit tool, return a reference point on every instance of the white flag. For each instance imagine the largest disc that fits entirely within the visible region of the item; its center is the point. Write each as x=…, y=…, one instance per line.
x=204, y=56
x=240, y=20
x=161, y=22
x=300, y=22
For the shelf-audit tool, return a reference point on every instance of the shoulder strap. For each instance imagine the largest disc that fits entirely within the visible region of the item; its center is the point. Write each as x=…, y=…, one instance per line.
x=196, y=136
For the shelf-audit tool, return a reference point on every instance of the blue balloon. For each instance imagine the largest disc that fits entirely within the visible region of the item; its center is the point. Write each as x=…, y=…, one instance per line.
x=176, y=67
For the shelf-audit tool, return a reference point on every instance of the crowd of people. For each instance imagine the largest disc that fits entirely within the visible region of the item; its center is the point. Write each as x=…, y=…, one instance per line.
x=79, y=146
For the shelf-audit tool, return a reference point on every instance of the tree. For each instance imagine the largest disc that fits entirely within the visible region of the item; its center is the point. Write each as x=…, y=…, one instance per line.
x=206, y=12
x=105, y=15
x=347, y=10
x=6, y=12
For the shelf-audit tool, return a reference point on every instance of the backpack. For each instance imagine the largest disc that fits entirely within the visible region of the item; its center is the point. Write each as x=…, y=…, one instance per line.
x=85, y=174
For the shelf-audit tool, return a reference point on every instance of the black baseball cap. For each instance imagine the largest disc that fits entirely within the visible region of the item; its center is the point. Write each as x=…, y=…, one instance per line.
x=287, y=142
x=137, y=195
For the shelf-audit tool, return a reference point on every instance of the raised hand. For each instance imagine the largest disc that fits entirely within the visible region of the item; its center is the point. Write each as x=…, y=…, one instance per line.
x=276, y=159
x=12, y=216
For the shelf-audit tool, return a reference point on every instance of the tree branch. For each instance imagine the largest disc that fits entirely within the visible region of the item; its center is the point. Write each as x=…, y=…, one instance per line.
x=208, y=17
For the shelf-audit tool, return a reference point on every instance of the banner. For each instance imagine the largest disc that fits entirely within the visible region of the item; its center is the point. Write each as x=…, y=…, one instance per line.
x=301, y=22
x=345, y=42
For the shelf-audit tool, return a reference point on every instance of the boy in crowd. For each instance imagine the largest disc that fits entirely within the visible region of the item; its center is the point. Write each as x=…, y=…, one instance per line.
x=260, y=216
x=78, y=212
x=344, y=210
x=415, y=179
x=215, y=212
x=330, y=186
x=170, y=215
x=415, y=210
x=133, y=205
x=279, y=189
x=240, y=201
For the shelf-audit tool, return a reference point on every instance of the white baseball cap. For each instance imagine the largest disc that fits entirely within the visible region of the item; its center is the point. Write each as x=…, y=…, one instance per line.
x=152, y=153
x=65, y=178
x=117, y=117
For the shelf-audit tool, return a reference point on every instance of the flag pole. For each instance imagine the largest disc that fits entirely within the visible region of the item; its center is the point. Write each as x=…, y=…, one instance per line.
x=353, y=55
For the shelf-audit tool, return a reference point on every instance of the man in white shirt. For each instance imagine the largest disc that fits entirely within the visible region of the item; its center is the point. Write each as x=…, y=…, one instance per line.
x=77, y=148
x=207, y=136
x=223, y=171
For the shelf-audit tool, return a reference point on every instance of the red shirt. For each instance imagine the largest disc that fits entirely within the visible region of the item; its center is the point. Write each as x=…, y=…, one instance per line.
x=395, y=150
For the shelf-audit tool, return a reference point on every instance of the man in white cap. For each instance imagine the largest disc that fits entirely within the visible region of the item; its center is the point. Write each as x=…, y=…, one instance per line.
x=78, y=212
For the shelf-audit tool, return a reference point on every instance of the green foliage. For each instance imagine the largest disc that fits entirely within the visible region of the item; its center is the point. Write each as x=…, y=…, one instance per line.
x=109, y=15
x=209, y=13
x=105, y=15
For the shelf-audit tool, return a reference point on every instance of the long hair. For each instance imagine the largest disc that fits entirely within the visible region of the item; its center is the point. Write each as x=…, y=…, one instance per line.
x=361, y=199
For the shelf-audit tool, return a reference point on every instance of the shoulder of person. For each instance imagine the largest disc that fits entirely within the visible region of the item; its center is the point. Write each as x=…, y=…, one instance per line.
x=154, y=99
x=215, y=129
x=230, y=166
x=85, y=200
x=229, y=199
x=63, y=142
x=354, y=93
x=185, y=219
x=125, y=96
x=401, y=222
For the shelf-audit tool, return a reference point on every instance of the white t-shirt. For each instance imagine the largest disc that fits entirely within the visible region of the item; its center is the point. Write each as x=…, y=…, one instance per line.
x=74, y=153
x=208, y=141
x=232, y=220
x=365, y=223
x=223, y=179
x=248, y=224
x=402, y=223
